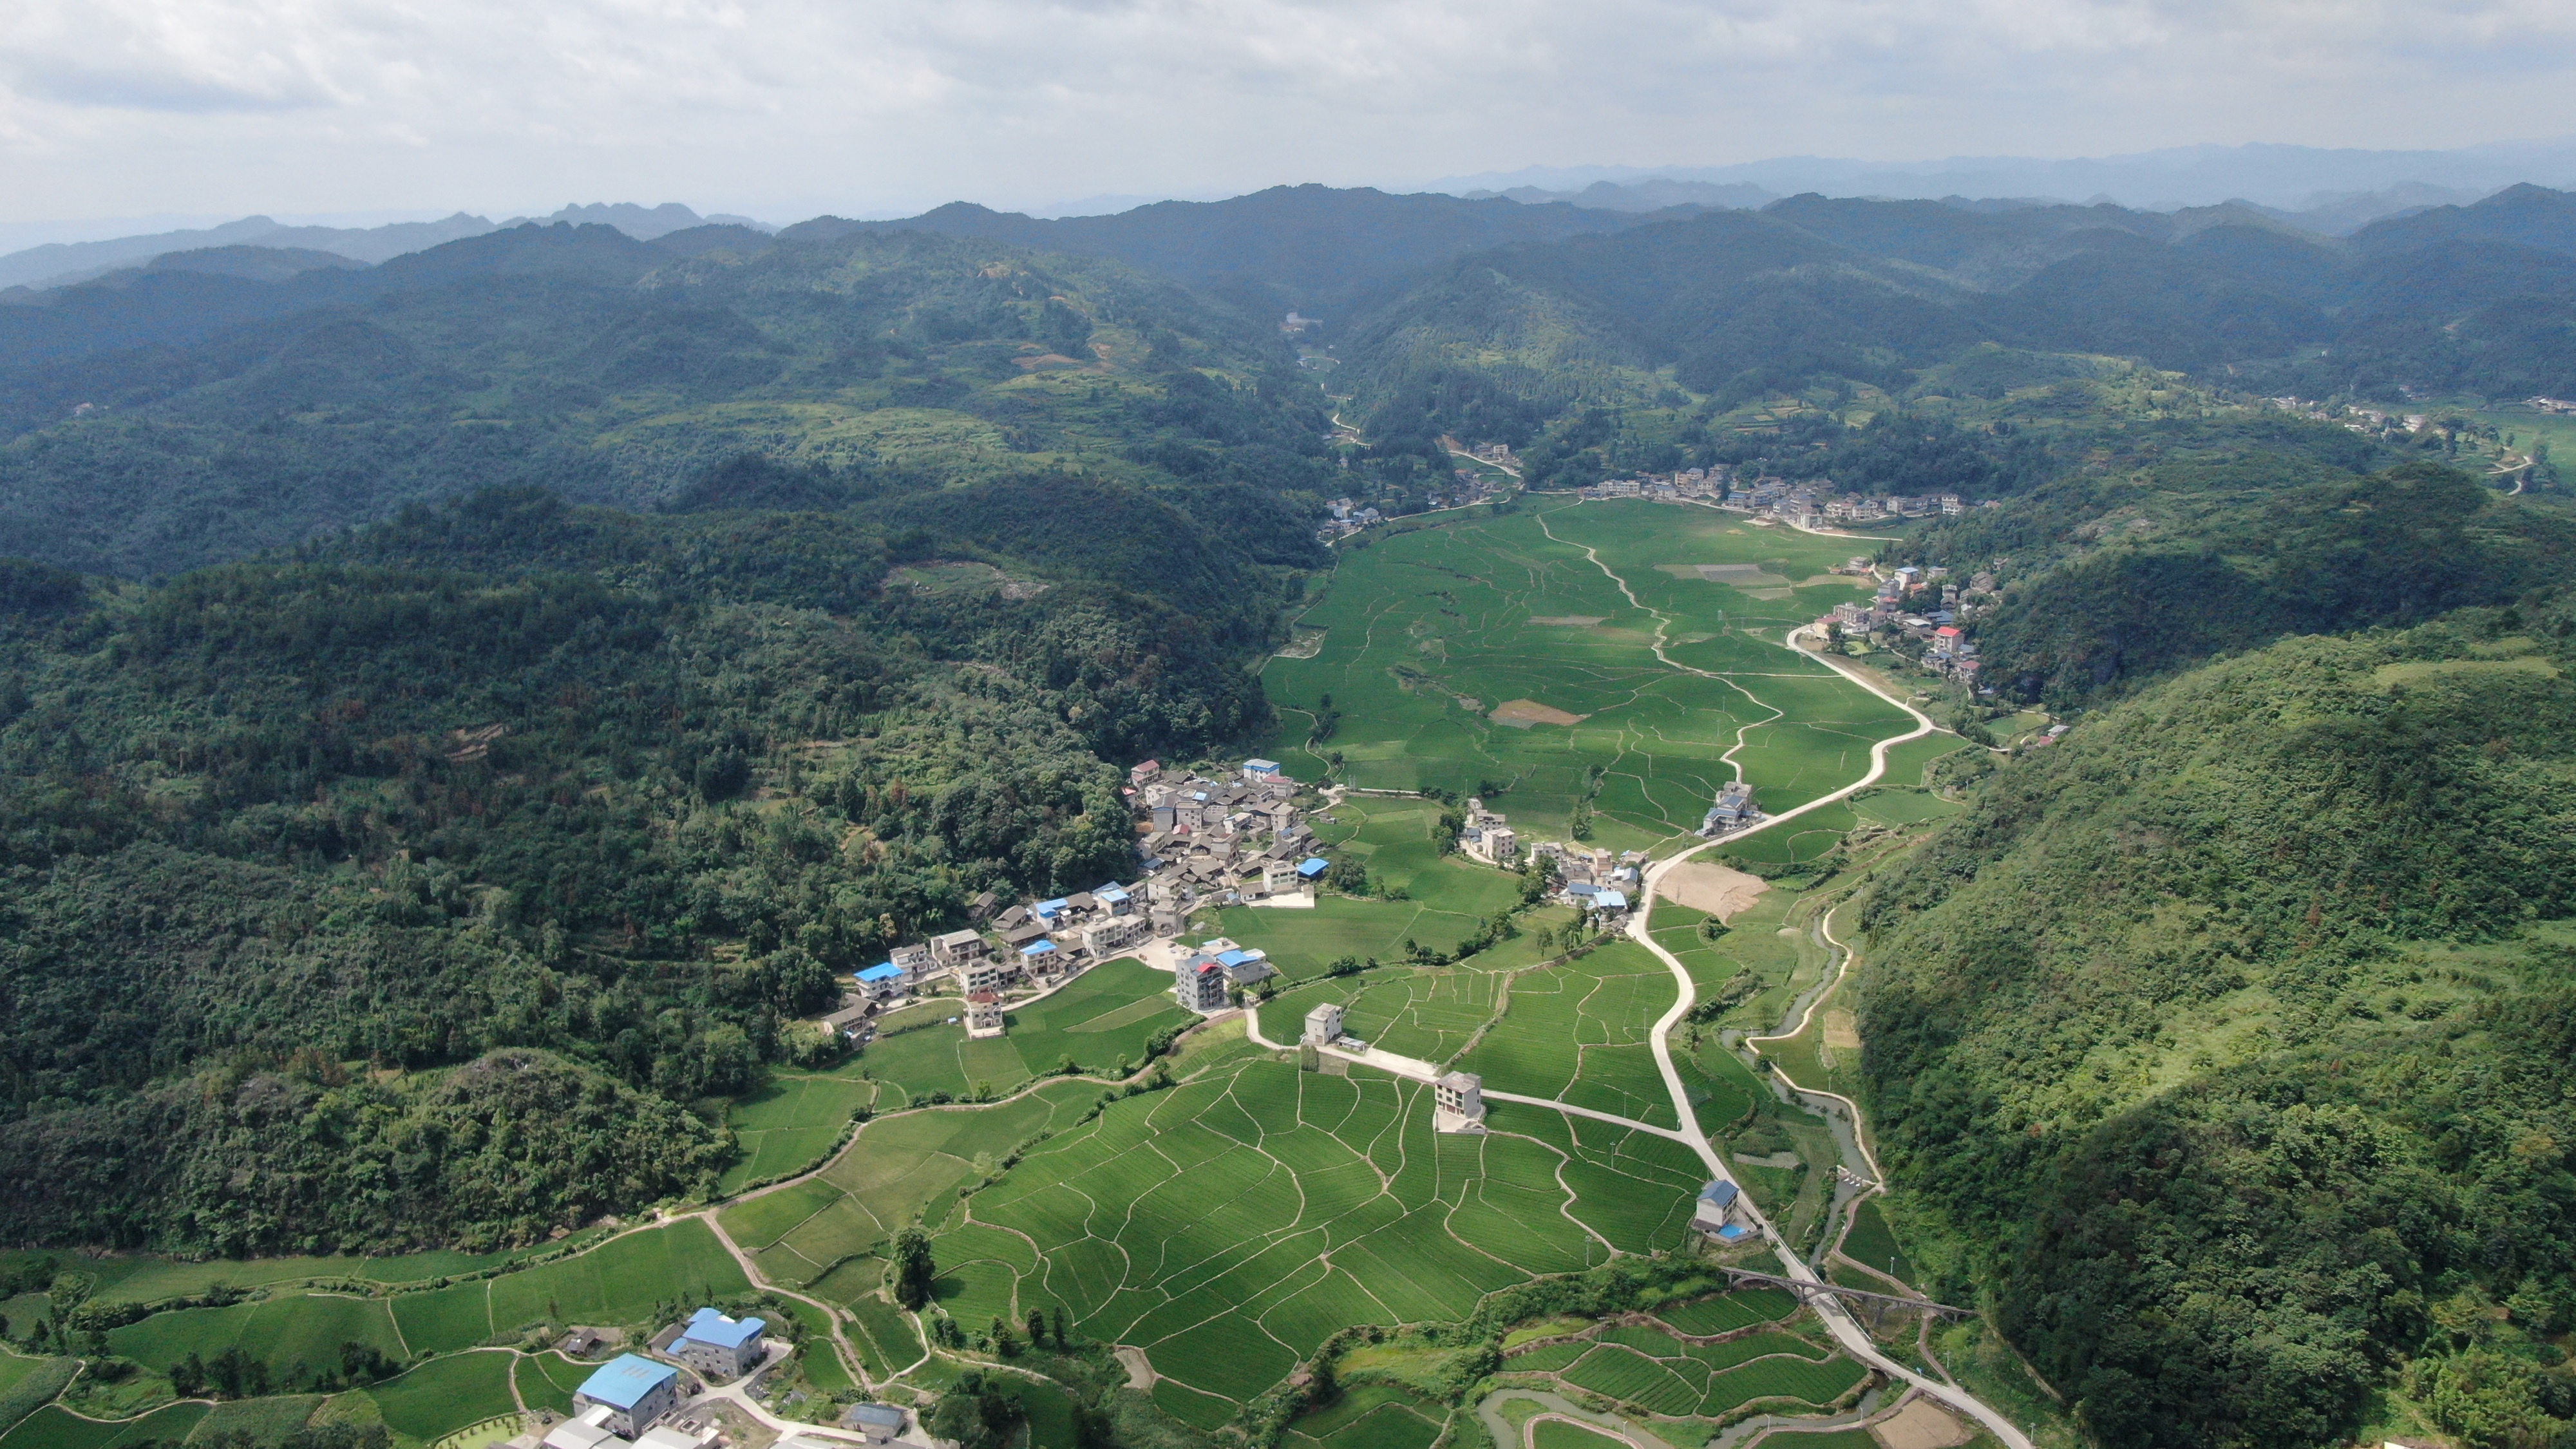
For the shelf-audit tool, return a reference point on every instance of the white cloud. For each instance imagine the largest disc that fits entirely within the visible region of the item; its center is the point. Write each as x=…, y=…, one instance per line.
x=115, y=106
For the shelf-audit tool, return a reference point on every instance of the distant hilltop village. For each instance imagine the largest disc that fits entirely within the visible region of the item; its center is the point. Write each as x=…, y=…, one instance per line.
x=1809, y=503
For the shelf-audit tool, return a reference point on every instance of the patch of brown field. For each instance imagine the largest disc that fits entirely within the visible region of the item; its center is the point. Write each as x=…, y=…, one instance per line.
x=1522, y=713
x=1845, y=580
x=1047, y=359
x=1921, y=1424
x=1707, y=886
x=1842, y=1031
x=1568, y=621
x=1767, y=594
x=1742, y=576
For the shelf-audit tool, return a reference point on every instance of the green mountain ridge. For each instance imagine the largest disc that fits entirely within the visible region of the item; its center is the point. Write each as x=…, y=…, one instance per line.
x=2228, y=1040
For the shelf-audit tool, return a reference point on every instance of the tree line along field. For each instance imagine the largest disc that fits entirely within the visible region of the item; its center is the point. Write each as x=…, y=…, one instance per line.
x=1427, y=634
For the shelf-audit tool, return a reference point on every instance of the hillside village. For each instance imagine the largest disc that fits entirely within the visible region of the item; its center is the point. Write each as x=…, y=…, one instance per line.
x=1242, y=838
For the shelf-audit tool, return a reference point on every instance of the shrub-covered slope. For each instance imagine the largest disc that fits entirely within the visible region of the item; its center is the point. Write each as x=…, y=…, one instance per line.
x=2235, y=1038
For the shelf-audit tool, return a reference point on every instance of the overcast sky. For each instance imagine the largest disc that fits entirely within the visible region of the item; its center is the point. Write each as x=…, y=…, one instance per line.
x=786, y=108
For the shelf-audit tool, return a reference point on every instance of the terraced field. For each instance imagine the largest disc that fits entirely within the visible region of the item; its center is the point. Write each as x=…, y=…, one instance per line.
x=897, y=1170
x=1231, y=1224
x=1096, y=1021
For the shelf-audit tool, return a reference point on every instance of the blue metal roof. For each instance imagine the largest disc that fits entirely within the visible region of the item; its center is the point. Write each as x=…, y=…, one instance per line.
x=882, y=971
x=1238, y=957
x=1047, y=908
x=1042, y=948
x=1313, y=865
x=1269, y=765
x=708, y=1326
x=624, y=1380
x=1610, y=900
x=1110, y=893
x=1720, y=1193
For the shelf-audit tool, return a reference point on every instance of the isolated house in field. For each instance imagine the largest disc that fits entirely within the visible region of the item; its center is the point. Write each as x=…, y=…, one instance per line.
x=1735, y=808
x=1720, y=1212
x=721, y=1347
x=1324, y=1024
x=1458, y=1103
x=633, y=1390
x=983, y=1014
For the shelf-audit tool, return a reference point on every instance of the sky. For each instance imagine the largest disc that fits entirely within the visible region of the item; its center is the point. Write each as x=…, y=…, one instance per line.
x=782, y=109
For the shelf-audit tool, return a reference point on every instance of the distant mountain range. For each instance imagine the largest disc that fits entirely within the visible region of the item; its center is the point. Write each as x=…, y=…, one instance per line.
x=58, y=264
x=2290, y=178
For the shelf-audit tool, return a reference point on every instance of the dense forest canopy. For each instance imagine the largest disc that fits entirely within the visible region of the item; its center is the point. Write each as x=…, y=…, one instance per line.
x=2233, y=1034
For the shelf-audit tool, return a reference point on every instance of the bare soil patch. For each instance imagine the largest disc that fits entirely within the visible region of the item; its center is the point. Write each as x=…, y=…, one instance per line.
x=1522, y=713
x=1568, y=621
x=1707, y=886
x=1921, y=1424
x=1742, y=576
x=1842, y=1031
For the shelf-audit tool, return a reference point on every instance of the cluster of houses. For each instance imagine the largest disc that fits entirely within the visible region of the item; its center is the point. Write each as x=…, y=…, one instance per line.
x=641, y=1400
x=1485, y=837
x=1593, y=881
x=2557, y=405
x=1921, y=604
x=1243, y=836
x=2372, y=420
x=1814, y=503
x=1233, y=839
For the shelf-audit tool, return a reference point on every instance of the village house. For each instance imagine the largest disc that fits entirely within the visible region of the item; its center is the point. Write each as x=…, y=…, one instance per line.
x=875, y=1423
x=958, y=948
x=1323, y=1024
x=1200, y=983
x=983, y=1014
x=1719, y=1212
x=624, y=1395
x=1735, y=808
x=1458, y=1103
x=721, y=1347
x=882, y=981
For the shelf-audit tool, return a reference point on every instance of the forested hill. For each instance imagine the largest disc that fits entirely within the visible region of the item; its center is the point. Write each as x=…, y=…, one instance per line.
x=1812, y=293
x=2230, y=1044
x=2117, y=575
x=159, y=420
x=618, y=795
x=1316, y=246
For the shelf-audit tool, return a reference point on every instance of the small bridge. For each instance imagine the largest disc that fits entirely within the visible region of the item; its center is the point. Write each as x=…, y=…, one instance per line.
x=1877, y=1305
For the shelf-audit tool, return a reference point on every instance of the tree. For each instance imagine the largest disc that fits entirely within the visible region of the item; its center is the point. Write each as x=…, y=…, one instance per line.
x=914, y=1272
x=1059, y=1326
x=1003, y=1343
x=1038, y=1327
x=977, y=1412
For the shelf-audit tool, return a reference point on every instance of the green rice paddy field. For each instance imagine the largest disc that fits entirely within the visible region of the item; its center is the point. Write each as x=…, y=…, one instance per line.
x=1101, y=1018
x=1229, y=1225
x=1429, y=634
